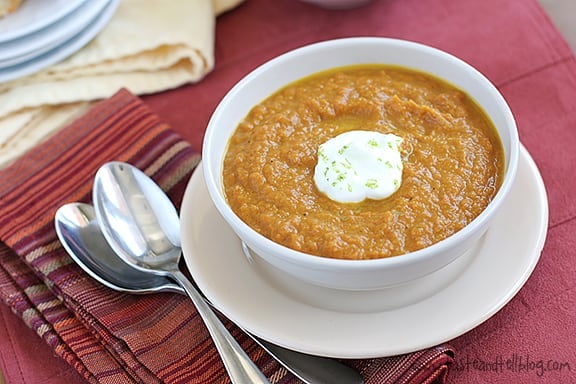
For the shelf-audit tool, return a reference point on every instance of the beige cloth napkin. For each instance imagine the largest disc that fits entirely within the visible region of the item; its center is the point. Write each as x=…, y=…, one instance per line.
x=148, y=46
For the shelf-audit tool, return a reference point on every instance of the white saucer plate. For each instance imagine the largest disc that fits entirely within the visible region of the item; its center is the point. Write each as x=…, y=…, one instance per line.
x=20, y=50
x=64, y=50
x=34, y=15
x=348, y=324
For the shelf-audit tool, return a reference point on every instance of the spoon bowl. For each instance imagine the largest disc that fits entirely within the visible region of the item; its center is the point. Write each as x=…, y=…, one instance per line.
x=137, y=218
x=82, y=238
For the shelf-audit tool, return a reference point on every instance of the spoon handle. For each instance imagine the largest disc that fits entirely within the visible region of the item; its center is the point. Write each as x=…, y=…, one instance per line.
x=310, y=369
x=238, y=364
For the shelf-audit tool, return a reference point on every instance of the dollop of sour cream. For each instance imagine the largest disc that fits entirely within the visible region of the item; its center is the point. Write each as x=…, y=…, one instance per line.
x=359, y=165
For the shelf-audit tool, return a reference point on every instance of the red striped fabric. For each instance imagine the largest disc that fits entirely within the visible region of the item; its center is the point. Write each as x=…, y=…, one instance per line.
x=106, y=336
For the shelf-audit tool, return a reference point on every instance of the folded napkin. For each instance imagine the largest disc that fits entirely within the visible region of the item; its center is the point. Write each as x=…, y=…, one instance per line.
x=146, y=47
x=112, y=337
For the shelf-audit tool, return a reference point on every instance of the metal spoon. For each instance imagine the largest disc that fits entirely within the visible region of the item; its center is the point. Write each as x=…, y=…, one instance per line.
x=82, y=238
x=142, y=226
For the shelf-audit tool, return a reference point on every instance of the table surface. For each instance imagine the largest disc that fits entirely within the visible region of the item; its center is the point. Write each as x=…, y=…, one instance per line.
x=561, y=13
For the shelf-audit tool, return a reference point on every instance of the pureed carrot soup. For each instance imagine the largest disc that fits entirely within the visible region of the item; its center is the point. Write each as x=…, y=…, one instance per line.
x=363, y=162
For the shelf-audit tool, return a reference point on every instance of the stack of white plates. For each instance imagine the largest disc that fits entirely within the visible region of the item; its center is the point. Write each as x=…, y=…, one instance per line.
x=41, y=33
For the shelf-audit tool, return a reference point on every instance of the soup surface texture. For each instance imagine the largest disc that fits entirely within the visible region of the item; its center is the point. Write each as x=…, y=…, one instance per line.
x=452, y=160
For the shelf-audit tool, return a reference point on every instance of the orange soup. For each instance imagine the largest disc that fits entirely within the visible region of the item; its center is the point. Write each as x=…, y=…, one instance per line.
x=452, y=157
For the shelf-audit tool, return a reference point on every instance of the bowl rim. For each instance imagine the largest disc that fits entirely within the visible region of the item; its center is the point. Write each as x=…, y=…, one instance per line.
x=319, y=262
